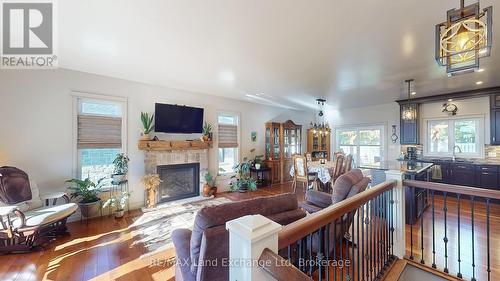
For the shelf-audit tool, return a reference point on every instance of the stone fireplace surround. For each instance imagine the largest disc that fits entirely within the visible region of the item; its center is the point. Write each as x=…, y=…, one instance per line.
x=153, y=159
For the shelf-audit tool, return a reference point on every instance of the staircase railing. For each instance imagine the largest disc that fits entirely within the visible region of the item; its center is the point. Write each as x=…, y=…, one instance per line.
x=456, y=222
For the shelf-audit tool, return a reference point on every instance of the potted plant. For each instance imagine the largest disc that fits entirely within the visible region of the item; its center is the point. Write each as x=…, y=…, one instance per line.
x=147, y=125
x=88, y=192
x=208, y=188
x=257, y=161
x=121, y=168
x=118, y=203
x=241, y=180
x=207, y=131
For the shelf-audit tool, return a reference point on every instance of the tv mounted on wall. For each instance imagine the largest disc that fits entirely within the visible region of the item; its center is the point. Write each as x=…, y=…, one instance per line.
x=170, y=118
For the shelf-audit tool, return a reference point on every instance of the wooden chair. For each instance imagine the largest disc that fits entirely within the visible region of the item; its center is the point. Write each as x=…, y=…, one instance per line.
x=339, y=170
x=347, y=166
x=302, y=174
x=309, y=157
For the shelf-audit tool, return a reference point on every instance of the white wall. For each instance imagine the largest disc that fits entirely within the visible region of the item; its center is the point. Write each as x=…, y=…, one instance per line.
x=36, y=127
x=468, y=107
x=384, y=114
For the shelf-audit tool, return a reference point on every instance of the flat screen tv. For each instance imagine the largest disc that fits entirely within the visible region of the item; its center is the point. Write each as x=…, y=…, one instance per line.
x=170, y=118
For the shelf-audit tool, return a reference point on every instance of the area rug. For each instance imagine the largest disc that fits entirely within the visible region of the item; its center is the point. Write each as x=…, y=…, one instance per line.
x=153, y=229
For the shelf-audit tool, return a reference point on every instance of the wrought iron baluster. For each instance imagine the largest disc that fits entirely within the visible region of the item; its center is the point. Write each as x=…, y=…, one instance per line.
x=445, y=239
x=347, y=237
x=488, y=269
x=392, y=222
x=310, y=254
x=459, y=274
x=289, y=253
x=327, y=249
x=422, y=261
x=335, y=249
x=342, y=245
x=412, y=202
x=357, y=243
x=472, y=207
x=379, y=237
x=363, y=229
x=386, y=228
x=433, y=232
x=300, y=254
x=352, y=236
x=371, y=239
x=319, y=254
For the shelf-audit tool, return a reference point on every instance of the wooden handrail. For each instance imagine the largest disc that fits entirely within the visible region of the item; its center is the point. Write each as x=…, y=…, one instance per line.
x=291, y=233
x=464, y=190
x=280, y=268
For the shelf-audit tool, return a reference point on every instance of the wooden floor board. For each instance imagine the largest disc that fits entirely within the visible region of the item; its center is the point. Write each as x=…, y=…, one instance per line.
x=104, y=249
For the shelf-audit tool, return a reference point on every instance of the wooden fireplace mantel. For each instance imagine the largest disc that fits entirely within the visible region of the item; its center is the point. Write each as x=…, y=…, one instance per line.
x=174, y=145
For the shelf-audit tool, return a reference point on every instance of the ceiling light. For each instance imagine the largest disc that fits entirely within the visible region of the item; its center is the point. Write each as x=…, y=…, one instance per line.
x=408, y=111
x=413, y=93
x=450, y=100
x=479, y=82
x=464, y=38
x=480, y=70
x=320, y=126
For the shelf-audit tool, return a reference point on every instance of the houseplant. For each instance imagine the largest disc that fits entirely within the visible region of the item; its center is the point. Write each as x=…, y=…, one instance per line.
x=207, y=131
x=257, y=161
x=121, y=168
x=241, y=180
x=147, y=125
x=118, y=203
x=210, y=187
x=88, y=192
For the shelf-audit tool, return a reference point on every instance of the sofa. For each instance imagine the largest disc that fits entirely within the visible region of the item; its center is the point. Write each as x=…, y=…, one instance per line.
x=346, y=186
x=209, y=239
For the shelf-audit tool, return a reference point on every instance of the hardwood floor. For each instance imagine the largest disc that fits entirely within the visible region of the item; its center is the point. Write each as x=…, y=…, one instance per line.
x=104, y=249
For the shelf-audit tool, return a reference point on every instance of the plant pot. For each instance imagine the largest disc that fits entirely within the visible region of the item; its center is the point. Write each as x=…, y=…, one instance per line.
x=119, y=214
x=243, y=188
x=206, y=137
x=257, y=166
x=145, y=137
x=90, y=209
x=214, y=190
x=207, y=190
x=118, y=178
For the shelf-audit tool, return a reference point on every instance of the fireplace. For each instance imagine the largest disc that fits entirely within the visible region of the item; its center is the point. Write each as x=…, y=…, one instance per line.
x=179, y=181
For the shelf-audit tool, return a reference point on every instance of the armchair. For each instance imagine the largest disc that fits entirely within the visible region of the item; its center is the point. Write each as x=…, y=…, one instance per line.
x=28, y=219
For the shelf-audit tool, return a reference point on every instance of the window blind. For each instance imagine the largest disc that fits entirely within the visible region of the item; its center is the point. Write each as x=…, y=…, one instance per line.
x=99, y=131
x=228, y=136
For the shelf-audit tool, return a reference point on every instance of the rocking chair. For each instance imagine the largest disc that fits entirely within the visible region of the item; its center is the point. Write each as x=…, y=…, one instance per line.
x=25, y=221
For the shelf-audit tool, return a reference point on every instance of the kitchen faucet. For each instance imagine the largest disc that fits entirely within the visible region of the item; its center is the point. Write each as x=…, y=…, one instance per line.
x=459, y=150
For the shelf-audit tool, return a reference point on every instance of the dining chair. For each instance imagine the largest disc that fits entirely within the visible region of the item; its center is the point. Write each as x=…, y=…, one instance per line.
x=338, y=170
x=309, y=157
x=302, y=174
x=347, y=166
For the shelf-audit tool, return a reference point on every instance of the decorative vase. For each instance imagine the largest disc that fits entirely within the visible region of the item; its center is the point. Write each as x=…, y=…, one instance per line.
x=257, y=166
x=243, y=188
x=118, y=178
x=206, y=137
x=145, y=137
x=119, y=213
x=207, y=190
x=89, y=209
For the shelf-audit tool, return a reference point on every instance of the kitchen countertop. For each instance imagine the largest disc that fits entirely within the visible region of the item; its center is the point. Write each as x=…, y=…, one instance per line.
x=458, y=161
x=407, y=167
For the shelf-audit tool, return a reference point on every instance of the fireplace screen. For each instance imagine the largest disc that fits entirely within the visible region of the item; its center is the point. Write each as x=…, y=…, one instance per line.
x=179, y=181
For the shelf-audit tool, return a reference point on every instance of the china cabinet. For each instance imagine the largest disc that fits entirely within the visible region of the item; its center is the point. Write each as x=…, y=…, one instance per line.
x=318, y=145
x=282, y=141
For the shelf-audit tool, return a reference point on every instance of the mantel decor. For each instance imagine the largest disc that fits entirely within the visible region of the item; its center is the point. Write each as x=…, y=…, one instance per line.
x=464, y=38
x=161, y=145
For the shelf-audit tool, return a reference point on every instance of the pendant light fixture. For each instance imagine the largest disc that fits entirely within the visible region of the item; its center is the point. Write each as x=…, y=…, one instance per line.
x=320, y=126
x=464, y=38
x=408, y=111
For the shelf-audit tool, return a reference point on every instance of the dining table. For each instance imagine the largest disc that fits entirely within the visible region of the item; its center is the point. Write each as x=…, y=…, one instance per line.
x=324, y=170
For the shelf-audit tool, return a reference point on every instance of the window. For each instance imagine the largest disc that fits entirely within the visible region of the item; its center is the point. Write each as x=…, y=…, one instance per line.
x=463, y=135
x=100, y=135
x=364, y=143
x=228, y=142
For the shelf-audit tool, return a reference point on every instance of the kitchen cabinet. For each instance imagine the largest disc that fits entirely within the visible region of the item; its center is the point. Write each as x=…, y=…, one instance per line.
x=462, y=174
x=487, y=176
x=409, y=129
x=495, y=126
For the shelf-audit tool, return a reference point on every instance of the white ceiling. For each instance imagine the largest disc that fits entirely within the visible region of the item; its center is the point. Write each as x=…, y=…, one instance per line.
x=351, y=52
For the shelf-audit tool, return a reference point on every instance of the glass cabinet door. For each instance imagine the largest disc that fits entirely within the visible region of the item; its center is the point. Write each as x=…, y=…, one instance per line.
x=268, y=143
x=276, y=143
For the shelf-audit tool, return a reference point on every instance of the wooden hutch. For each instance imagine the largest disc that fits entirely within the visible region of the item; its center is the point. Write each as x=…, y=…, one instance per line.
x=318, y=145
x=282, y=141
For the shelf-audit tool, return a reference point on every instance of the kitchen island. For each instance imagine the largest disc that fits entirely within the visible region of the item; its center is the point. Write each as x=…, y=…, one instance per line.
x=416, y=198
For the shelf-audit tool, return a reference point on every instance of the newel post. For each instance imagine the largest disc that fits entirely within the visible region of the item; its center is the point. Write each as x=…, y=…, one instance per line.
x=248, y=237
x=399, y=212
